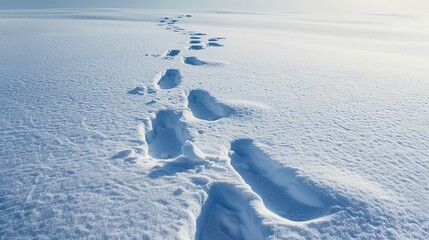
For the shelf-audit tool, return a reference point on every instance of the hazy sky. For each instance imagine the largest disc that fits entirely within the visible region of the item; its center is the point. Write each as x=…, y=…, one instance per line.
x=314, y=6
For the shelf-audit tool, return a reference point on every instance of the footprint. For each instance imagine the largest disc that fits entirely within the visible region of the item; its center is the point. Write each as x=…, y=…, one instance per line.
x=194, y=42
x=195, y=37
x=281, y=189
x=215, y=39
x=195, y=47
x=170, y=79
x=198, y=34
x=167, y=135
x=172, y=53
x=139, y=90
x=152, y=90
x=227, y=214
x=206, y=107
x=193, y=61
x=214, y=44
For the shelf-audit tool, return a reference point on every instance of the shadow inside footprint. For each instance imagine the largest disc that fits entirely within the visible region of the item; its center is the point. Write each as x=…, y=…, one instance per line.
x=214, y=44
x=167, y=136
x=171, y=78
x=172, y=53
x=198, y=34
x=206, y=107
x=281, y=189
x=193, y=61
x=195, y=47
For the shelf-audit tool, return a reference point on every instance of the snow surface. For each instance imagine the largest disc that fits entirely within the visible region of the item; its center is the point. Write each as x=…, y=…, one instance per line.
x=153, y=124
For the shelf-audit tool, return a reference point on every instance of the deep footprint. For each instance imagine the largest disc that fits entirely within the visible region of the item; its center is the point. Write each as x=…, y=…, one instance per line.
x=281, y=190
x=193, y=61
x=172, y=53
x=227, y=215
x=214, y=44
x=167, y=135
x=215, y=39
x=171, y=78
x=195, y=47
x=198, y=34
x=206, y=107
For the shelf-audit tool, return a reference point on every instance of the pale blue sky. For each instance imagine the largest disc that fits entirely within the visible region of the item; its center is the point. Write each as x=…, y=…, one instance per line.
x=314, y=6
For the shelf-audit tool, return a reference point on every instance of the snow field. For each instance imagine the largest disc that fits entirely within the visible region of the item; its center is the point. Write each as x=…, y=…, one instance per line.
x=293, y=126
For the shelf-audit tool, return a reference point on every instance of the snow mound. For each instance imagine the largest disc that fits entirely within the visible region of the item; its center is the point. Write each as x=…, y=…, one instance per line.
x=227, y=214
x=193, y=152
x=139, y=90
x=123, y=154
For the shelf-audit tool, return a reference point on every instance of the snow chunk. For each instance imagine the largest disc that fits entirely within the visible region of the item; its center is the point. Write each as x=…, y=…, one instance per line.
x=193, y=152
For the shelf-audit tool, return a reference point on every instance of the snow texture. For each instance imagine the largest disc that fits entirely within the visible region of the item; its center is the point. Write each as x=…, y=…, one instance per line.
x=150, y=124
